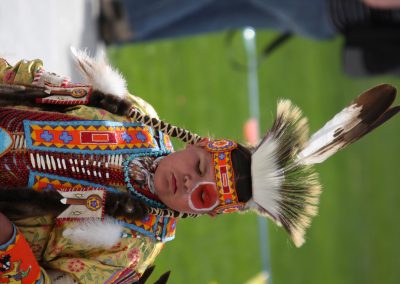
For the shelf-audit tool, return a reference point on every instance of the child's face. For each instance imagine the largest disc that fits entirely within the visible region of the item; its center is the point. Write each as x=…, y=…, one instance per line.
x=185, y=181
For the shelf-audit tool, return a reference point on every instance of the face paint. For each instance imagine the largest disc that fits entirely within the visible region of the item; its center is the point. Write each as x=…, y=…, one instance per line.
x=203, y=197
x=189, y=168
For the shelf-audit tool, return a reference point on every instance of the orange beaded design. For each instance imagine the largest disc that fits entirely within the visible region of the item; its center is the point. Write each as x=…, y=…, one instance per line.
x=224, y=175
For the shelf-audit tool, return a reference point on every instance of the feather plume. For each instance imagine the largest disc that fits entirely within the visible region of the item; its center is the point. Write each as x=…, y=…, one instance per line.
x=99, y=74
x=95, y=233
x=365, y=113
x=284, y=190
x=285, y=186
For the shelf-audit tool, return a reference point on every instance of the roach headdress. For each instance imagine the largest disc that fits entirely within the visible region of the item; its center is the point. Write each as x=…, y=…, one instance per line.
x=284, y=186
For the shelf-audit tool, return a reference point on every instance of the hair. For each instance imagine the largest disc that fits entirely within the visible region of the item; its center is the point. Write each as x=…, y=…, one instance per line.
x=241, y=161
x=18, y=203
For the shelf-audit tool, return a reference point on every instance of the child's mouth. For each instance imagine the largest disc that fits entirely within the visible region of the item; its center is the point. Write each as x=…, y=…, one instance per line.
x=174, y=187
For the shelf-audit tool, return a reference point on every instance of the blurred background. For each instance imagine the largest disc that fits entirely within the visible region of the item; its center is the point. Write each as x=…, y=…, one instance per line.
x=201, y=81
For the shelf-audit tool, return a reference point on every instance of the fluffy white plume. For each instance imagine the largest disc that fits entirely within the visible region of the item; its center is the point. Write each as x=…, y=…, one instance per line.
x=284, y=190
x=267, y=177
x=95, y=233
x=99, y=74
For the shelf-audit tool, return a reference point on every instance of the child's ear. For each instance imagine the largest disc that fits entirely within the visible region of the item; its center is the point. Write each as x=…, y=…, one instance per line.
x=203, y=142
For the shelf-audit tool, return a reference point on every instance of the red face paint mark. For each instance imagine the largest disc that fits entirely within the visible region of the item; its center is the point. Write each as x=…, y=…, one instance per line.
x=204, y=197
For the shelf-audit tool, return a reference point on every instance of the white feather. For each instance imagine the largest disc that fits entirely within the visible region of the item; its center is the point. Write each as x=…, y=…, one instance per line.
x=99, y=74
x=254, y=206
x=267, y=177
x=344, y=121
x=95, y=233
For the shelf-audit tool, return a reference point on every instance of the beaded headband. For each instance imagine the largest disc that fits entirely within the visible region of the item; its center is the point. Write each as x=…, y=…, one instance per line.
x=224, y=175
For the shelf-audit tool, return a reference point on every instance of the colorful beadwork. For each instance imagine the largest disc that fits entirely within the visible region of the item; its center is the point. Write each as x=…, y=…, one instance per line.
x=224, y=175
x=71, y=95
x=40, y=181
x=221, y=145
x=85, y=202
x=156, y=227
x=45, y=165
x=131, y=188
x=88, y=136
x=166, y=140
x=6, y=141
x=60, y=89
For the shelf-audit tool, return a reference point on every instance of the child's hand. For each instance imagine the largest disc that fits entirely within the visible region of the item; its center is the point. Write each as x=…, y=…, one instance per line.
x=6, y=229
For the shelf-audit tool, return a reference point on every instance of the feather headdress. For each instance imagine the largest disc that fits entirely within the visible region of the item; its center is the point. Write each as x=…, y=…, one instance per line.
x=285, y=186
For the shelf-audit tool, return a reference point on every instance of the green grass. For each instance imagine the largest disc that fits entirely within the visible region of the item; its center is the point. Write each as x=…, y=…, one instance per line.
x=355, y=237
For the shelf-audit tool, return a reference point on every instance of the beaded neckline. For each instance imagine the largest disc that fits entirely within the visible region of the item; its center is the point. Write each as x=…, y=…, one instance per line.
x=126, y=166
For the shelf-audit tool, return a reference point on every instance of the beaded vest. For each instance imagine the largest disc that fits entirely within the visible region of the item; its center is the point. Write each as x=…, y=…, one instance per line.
x=46, y=150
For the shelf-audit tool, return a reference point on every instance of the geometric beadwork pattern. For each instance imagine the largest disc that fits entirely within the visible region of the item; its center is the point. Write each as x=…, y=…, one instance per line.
x=224, y=178
x=89, y=137
x=157, y=228
x=169, y=229
x=42, y=181
x=225, y=181
x=166, y=141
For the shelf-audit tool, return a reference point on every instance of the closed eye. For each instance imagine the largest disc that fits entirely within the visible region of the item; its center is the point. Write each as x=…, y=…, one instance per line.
x=198, y=168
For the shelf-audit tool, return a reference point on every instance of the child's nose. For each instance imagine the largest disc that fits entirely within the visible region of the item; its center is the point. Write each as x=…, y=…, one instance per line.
x=190, y=181
x=187, y=182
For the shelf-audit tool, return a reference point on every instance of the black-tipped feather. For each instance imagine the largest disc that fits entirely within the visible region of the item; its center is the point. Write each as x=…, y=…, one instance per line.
x=368, y=111
x=163, y=279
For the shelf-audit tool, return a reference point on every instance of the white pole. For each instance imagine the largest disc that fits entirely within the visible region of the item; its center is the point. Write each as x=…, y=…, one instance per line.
x=249, y=37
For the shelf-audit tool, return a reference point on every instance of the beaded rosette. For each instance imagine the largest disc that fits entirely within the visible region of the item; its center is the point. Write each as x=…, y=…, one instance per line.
x=224, y=176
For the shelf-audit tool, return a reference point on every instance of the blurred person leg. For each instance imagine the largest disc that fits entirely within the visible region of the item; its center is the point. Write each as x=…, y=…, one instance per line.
x=383, y=4
x=160, y=19
x=371, y=38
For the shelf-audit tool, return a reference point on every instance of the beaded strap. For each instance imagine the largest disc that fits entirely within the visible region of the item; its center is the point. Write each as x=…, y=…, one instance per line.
x=171, y=130
x=14, y=93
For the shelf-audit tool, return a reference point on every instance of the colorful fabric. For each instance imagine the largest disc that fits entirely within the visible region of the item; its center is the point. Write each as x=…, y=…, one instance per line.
x=17, y=262
x=126, y=276
x=81, y=147
x=64, y=92
x=23, y=72
x=59, y=89
x=88, y=264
